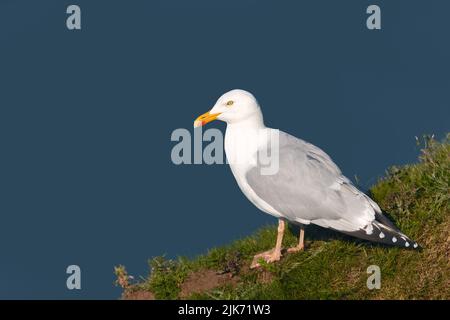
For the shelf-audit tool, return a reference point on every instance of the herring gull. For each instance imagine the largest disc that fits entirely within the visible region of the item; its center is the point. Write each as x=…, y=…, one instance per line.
x=305, y=187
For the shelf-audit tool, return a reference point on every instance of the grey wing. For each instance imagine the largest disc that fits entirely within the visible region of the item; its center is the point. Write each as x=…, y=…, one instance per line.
x=309, y=187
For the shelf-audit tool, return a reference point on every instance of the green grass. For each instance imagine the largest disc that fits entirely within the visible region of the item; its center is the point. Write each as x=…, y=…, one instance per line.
x=333, y=266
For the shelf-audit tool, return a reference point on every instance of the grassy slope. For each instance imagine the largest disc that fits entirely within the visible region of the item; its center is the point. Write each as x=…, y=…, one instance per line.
x=333, y=266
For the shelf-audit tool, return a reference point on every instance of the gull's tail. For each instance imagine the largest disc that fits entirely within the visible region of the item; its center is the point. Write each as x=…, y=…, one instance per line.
x=382, y=230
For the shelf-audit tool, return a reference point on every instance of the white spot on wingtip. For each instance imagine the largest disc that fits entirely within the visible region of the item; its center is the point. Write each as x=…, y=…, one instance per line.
x=369, y=229
x=381, y=235
x=415, y=245
x=394, y=239
x=407, y=244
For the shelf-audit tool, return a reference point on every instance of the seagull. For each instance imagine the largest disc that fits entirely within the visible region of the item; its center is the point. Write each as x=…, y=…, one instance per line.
x=304, y=186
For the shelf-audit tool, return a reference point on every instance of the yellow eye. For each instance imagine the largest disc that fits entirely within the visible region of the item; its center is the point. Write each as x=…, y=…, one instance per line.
x=230, y=103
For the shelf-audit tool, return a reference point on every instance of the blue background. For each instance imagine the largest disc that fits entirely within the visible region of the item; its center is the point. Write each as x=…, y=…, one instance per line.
x=86, y=118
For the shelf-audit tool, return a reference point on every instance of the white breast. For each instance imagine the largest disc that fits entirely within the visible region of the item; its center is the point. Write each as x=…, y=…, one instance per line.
x=241, y=147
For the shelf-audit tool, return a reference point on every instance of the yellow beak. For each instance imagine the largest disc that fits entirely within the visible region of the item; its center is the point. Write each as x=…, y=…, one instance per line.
x=205, y=118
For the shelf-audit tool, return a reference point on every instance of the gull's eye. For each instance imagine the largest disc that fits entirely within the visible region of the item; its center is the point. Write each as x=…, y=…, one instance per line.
x=230, y=103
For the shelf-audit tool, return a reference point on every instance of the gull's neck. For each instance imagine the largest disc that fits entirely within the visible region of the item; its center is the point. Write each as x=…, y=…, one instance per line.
x=242, y=139
x=254, y=122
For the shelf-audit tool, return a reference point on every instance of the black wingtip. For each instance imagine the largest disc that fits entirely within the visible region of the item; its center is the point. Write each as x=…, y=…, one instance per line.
x=383, y=234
